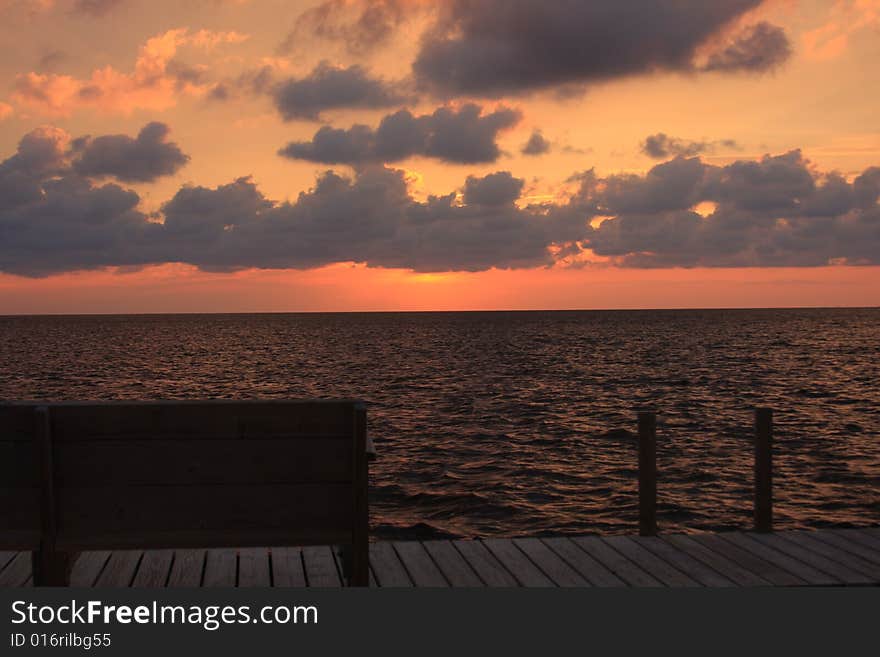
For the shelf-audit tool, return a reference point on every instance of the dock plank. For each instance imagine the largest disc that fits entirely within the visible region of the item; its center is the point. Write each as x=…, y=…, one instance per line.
x=787, y=558
x=684, y=562
x=749, y=560
x=387, y=567
x=591, y=570
x=488, y=568
x=863, y=537
x=17, y=571
x=799, y=569
x=120, y=569
x=453, y=566
x=221, y=568
x=320, y=567
x=88, y=567
x=718, y=562
x=287, y=567
x=550, y=563
x=517, y=563
x=253, y=568
x=649, y=562
x=187, y=568
x=6, y=558
x=154, y=569
x=618, y=564
x=845, y=543
x=419, y=564
x=840, y=572
x=836, y=554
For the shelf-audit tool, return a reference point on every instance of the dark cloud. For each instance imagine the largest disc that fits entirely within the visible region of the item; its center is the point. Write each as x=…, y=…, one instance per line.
x=490, y=48
x=360, y=25
x=536, y=145
x=495, y=189
x=662, y=146
x=143, y=159
x=463, y=136
x=772, y=212
x=776, y=211
x=51, y=61
x=759, y=48
x=95, y=7
x=330, y=87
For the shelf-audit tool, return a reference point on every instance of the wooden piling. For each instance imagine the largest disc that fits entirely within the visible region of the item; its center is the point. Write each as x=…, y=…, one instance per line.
x=763, y=470
x=647, y=473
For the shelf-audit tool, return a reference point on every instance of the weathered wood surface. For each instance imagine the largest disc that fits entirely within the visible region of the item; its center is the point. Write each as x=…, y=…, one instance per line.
x=831, y=557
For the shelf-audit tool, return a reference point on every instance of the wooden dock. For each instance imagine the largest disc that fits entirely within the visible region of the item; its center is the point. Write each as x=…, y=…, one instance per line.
x=831, y=557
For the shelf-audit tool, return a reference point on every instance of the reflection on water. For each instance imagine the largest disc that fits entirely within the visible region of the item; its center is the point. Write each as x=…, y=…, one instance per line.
x=520, y=423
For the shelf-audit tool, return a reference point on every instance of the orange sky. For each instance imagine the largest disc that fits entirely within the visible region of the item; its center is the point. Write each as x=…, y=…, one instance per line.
x=823, y=100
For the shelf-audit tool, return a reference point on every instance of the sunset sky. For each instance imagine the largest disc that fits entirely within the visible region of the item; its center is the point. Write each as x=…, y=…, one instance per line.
x=275, y=155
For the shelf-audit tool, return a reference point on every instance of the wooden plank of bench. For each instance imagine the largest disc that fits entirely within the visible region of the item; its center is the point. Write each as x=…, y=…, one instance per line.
x=387, y=567
x=802, y=571
x=649, y=562
x=221, y=568
x=253, y=568
x=320, y=567
x=187, y=569
x=418, y=563
x=485, y=565
x=144, y=513
x=749, y=560
x=87, y=568
x=154, y=569
x=287, y=567
x=120, y=569
x=846, y=565
x=517, y=563
x=618, y=564
x=840, y=572
x=844, y=543
x=161, y=462
x=452, y=564
x=550, y=563
x=210, y=418
x=17, y=571
x=20, y=520
x=727, y=567
x=684, y=562
x=593, y=571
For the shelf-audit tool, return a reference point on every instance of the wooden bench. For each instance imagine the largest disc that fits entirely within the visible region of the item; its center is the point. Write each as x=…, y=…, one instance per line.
x=100, y=476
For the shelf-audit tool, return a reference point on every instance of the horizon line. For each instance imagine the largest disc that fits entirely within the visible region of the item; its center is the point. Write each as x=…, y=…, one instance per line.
x=428, y=312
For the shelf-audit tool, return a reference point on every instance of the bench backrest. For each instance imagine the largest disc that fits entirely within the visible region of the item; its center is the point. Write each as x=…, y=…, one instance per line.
x=176, y=474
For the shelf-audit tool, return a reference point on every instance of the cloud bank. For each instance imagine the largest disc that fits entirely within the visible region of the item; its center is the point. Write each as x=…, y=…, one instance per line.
x=776, y=211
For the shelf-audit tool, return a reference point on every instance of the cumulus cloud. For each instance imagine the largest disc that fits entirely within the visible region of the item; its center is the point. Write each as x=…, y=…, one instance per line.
x=661, y=146
x=5, y=111
x=464, y=136
x=156, y=82
x=775, y=211
x=496, y=189
x=330, y=87
x=145, y=158
x=771, y=212
x=536, y=145
x=494, y=47
x=758, y=48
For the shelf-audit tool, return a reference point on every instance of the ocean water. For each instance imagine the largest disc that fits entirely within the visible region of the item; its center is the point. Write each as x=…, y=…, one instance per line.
x=521, y=423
